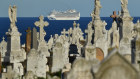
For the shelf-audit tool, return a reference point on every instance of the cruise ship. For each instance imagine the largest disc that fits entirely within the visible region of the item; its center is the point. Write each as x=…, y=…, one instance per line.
x=64, y=15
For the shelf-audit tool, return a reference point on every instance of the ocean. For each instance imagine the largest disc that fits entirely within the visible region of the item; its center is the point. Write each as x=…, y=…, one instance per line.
x=55, y=26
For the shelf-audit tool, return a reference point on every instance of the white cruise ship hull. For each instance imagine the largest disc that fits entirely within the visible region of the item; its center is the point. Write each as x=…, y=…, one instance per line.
x=67, y=15
x=64, y=18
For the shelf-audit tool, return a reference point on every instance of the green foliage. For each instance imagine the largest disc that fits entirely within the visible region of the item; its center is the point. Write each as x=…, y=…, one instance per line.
x=58, y=74
x=40, y=78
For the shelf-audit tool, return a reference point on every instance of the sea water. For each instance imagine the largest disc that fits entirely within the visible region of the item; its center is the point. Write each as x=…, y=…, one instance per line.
x=54, y=27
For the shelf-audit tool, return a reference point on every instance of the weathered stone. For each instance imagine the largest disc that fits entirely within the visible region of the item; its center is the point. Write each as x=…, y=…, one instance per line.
x=41, y=25
x=9, y=74
x=30, y=75
x=3, y=49
x=90, y=52
x=34, y=39
x=50, y=42
x=18, y=70
x=113, y=34
x=137, y=43
x=12, y=15
x=81, y=69
x=89, y=32
x=58, y=57
x=115, y=66
x=36, y=63
x=32, y=60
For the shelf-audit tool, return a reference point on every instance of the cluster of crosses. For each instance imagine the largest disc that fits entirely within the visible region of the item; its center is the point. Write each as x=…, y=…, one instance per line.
x=103, y=54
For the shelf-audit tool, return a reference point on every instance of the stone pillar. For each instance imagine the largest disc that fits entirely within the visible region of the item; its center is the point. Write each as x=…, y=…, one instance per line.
x=28, y=40
x=34, y=38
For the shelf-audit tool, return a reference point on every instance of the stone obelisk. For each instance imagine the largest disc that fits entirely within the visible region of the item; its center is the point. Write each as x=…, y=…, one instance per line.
x=28, y=40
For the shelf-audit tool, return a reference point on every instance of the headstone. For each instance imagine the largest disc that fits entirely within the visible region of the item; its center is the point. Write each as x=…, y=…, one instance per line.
x=15, y=53
x=42, y=65
x=9, y=74
x=32, y=61
x=115, y=66
x=90, y=52
x=34, y=39
x=41, y=23
x=89, y=32
x=114, y=38
x=28, y=40
x=18, y=70
x=50, y=42
x=81, y=69
x=58, y=57
x=36, y=63
x=3, y=49
x=30, y=75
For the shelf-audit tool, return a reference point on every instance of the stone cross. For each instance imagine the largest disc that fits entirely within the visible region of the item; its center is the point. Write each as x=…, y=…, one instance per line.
x=114, y=16
x=41, y=23
x=64, y=32
x=89, y=31
x=70, y=33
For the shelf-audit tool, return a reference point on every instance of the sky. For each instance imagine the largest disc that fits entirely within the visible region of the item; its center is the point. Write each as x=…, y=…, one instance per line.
x=35, y=8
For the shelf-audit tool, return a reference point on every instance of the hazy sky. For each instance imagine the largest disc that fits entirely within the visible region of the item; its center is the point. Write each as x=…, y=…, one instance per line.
x=34, y=8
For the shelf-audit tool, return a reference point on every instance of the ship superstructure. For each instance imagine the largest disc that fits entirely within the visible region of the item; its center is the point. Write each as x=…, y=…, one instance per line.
x=66, y=15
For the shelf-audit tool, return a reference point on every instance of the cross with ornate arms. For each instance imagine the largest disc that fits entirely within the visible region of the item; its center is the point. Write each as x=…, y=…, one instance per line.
x=89, y=32
x=114, y=16
x=64, y=32
x=41, y=23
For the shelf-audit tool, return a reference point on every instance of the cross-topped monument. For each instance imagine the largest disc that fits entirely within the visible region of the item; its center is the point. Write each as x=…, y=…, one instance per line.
x=41, y=23
x=64, y=32
x=3, y=38
x=89, y=32
x=114, y=16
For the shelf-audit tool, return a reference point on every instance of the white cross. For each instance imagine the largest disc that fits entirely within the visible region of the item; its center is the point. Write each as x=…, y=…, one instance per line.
x=89, y=32
x=41, y=23
x=64, y=32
